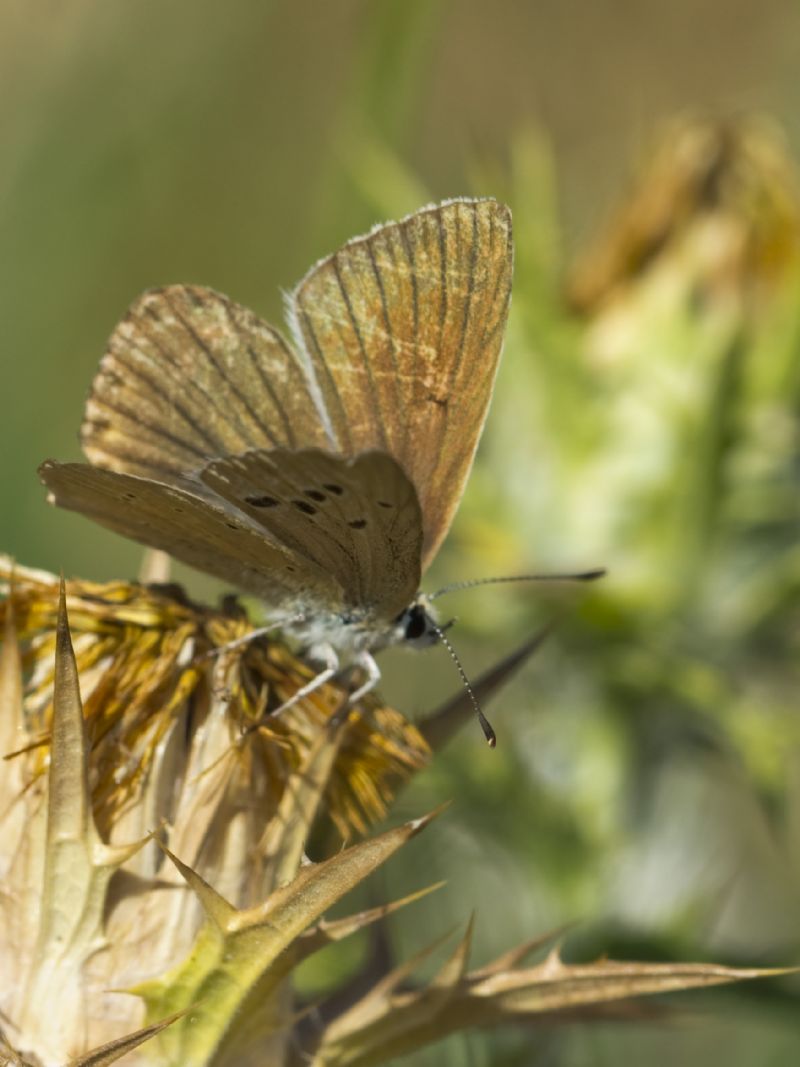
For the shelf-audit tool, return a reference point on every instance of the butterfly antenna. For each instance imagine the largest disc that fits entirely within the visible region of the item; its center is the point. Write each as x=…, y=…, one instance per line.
x=486, y=726
x=580, y=576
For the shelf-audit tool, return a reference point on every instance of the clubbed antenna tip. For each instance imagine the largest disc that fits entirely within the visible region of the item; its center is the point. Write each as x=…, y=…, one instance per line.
x=486, y=726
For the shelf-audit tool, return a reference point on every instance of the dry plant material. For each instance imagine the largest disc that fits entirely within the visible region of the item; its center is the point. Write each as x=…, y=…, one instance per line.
x=159, y=913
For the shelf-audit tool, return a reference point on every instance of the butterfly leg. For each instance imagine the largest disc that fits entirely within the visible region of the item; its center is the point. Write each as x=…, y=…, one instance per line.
x=327, y=655
x=368, y=664
x=252, y=635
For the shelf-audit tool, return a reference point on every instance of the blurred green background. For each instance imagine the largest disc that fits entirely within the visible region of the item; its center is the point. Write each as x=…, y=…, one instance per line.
x=646, y=781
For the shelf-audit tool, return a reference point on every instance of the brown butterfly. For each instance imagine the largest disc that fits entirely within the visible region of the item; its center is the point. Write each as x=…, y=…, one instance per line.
x=320, y=475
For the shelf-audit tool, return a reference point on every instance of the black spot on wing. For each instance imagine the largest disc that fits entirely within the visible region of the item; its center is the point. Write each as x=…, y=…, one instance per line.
x=262, y=501
x=305, y=507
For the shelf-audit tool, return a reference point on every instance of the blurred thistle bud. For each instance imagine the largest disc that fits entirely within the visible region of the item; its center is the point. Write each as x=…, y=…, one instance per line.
x=713, y=223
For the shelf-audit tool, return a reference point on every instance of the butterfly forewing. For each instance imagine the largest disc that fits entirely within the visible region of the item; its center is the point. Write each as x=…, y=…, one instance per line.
x=357, y=520
x=207, y=534
x=190, y=375
x=403, y=330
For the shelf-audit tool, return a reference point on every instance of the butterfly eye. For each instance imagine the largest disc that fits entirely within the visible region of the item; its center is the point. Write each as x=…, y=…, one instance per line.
x=416, y=625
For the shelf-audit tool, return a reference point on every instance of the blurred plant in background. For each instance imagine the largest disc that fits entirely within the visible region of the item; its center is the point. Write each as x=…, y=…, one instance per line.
x=653, y=420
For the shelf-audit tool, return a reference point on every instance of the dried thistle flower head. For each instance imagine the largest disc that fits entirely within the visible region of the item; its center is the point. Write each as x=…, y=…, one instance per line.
x=169, y=695
x=112, y=944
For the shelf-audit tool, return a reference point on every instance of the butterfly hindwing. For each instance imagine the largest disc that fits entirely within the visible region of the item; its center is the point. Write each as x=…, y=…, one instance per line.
x=207, y=534
x=403, y=330
x=355, y=519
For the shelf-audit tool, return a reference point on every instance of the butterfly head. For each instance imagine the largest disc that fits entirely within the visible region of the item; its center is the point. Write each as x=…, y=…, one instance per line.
x=417, y=626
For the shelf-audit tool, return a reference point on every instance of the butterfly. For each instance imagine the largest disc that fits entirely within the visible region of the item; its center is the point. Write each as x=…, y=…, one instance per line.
x=319, y=473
